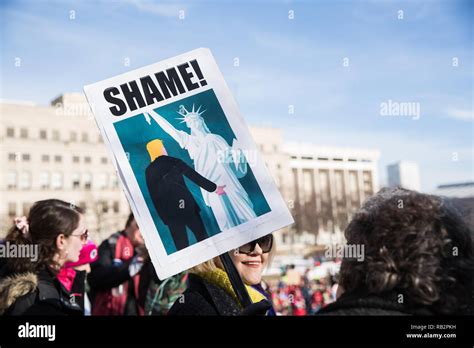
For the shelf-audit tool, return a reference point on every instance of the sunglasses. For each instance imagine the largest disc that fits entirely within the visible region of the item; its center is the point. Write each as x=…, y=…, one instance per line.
x=83, y=236
x=265, y=243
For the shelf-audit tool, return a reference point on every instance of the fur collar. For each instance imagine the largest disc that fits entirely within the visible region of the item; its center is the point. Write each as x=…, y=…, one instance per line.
x=14, y=287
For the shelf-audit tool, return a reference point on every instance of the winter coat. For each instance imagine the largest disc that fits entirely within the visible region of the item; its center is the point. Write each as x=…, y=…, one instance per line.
x=211, y=293
x=35, y=294
x=204, y=298
x=371, y=304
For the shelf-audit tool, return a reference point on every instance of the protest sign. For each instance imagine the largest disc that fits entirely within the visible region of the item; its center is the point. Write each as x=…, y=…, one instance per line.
x=192, y=174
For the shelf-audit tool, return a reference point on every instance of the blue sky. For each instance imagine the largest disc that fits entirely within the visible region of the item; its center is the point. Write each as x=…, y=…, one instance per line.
x=282, y=62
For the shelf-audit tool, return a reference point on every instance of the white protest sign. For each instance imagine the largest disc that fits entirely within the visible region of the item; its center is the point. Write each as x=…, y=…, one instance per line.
x=188, y=165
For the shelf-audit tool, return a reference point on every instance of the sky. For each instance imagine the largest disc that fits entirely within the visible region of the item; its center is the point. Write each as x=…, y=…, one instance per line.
x=319, y=70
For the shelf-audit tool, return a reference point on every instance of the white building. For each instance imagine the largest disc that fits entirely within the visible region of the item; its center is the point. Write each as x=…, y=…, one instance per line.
x=457, y=190
x=405, y=174
x=328, y=185
x=57, y=152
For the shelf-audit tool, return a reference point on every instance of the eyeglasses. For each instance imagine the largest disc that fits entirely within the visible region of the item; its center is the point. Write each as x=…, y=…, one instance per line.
x=265, y=243
x=84, y=235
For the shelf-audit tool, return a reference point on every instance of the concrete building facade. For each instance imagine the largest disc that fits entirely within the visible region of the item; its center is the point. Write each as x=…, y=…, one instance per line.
x=57, y=152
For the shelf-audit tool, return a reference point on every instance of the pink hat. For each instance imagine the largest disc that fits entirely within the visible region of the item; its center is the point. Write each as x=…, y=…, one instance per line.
x=88, y=255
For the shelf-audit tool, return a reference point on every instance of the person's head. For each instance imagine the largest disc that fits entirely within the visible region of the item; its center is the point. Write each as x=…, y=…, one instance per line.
x=416, y=245
x=318, y=297
x=57, y=228
x=133, y=232
x=156, y=149
x=250, y=260
x=193, y=119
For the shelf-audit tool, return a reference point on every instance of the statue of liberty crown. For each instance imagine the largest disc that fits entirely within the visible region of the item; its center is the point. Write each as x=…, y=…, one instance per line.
x=189, y=114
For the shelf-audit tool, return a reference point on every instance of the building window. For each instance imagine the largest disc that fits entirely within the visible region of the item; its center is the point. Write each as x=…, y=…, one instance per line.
x=116, y=207
x=26, y=157
x=23, y=133
x=57, y=180
x=105, y=206
x=10, y=132
x=85, y=137
x=25, y=180
x=44, y=180
x=76, y=180
x=82, y=205
x=103, y=160
x=102, y=181
x=11, y=209
x=87, y=178
x=58, y=158
x=87, y=159
x=11, y=180
x=26, y=208
x=339, y=181
x=354, y=186
x=324, y=185
x=56, y=135
x=43, y=134
x=45, y=158
x=75, y=159
x=12, y=157
x=113, y=181
x=73, y=136
x=367, y=178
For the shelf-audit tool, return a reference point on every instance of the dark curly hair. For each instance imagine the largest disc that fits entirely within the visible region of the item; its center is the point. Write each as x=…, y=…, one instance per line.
x=47, y=219
x=416, y=245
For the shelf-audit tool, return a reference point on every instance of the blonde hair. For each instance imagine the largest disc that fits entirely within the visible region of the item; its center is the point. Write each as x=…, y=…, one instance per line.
x=155, y=149
x=212, y=264
x=208, y=266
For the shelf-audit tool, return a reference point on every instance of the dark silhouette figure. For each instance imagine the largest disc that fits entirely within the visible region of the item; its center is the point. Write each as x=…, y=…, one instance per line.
x=173, y=201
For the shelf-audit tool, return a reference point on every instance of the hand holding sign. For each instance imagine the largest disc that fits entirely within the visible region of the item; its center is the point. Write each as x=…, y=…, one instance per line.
x=220, y=190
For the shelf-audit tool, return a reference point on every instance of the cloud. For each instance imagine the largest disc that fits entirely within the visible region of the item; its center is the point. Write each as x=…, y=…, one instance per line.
x=459, y=114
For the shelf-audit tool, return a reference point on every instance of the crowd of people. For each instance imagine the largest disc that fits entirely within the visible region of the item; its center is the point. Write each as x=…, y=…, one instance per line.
x=418, y=260
x=299, y=294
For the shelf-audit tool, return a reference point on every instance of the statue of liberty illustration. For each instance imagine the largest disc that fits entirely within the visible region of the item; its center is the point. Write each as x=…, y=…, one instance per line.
x=218, y=162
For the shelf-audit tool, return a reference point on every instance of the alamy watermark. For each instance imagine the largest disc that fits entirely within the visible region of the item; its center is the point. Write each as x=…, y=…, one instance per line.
x=28, y=330
x=400, y=109
x=346, y=251
x=237, y=156
x=21, y=251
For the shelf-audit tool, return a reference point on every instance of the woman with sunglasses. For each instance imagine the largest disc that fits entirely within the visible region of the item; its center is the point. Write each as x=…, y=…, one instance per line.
x=210, y=292
x=28, y=285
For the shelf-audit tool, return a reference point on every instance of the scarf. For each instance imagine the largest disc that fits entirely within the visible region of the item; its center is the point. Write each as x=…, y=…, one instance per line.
x=220, y=278
x=66, y=277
